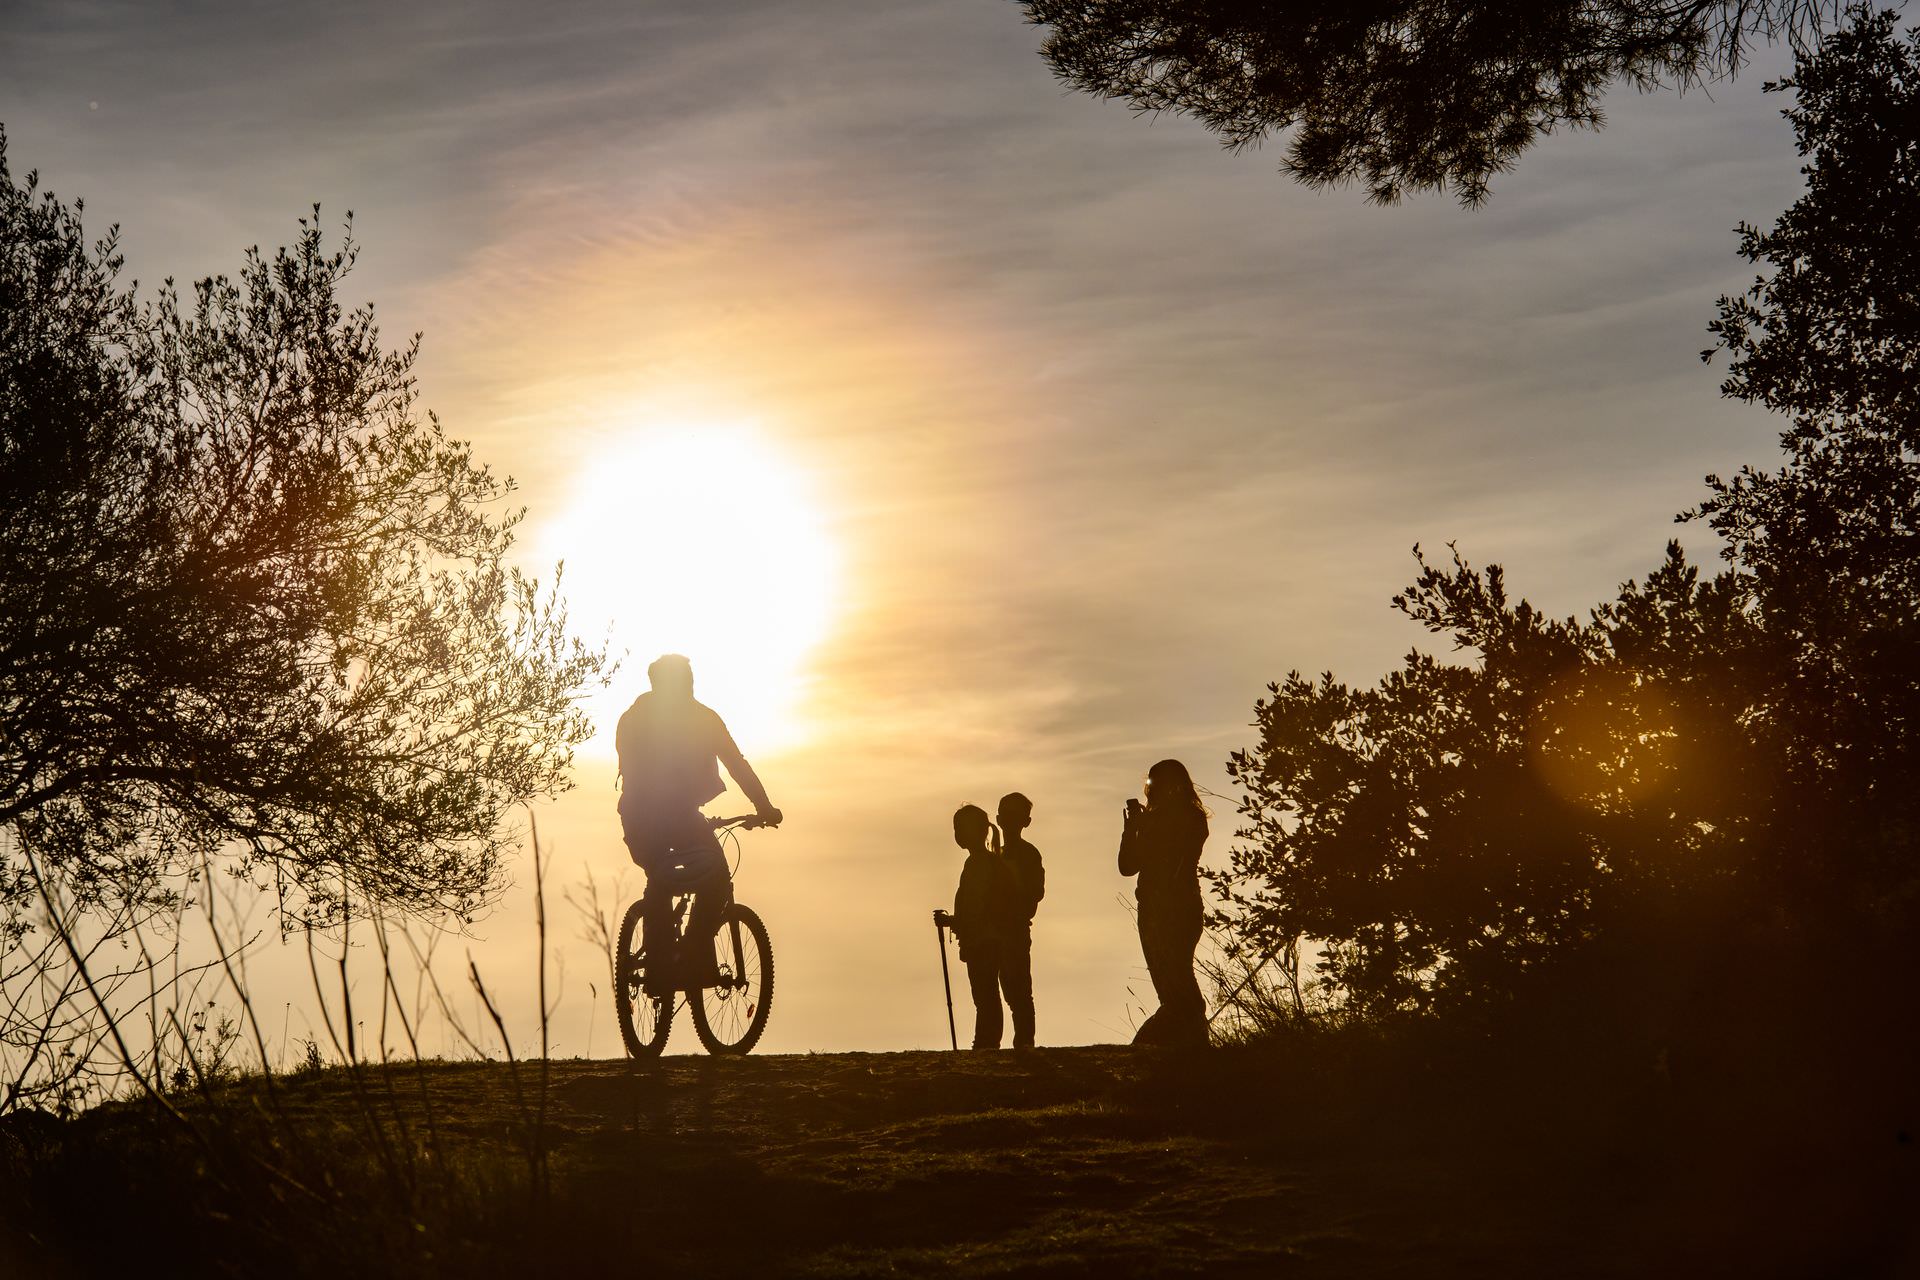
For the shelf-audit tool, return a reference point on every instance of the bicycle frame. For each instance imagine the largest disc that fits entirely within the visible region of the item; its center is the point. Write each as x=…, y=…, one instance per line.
x=726, y=830
x=731, y=986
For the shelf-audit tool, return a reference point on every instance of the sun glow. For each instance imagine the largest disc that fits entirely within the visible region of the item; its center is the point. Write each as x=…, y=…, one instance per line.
x=703, y=540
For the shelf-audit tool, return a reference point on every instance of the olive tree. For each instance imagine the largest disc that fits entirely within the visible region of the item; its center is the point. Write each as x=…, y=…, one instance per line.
x=256, y=610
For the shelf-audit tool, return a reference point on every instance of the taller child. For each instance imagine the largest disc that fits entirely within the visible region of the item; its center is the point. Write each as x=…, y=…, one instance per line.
x=1029, y=885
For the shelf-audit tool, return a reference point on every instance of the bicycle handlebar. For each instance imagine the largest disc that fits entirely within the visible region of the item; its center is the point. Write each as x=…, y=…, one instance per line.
x=745, y=821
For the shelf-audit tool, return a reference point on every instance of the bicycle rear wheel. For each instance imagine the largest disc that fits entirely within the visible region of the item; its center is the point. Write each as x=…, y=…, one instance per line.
x=644, y=1019
x=730, y=1016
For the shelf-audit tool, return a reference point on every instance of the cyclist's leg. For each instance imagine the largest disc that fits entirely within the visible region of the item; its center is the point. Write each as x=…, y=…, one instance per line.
x=698, y=849
x=647, y=845
x=656, y=932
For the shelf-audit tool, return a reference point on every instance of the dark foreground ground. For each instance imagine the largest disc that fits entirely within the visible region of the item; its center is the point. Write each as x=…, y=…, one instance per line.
x=1087, y=1161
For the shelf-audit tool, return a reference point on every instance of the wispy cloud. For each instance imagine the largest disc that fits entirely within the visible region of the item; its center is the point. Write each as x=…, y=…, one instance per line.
x=1115, y=427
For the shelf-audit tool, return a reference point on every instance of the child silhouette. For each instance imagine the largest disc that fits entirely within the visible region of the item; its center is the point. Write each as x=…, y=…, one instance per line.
x=982, y=909
x=1029, y=880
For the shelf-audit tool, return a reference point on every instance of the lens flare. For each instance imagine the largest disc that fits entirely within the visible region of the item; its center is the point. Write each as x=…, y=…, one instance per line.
x=1604, y=738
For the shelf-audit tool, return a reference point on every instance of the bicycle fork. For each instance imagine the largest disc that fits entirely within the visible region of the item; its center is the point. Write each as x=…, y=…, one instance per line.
x=738, y=978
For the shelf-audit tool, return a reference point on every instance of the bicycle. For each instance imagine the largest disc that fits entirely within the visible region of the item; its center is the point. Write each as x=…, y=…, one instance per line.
x=730, y=1015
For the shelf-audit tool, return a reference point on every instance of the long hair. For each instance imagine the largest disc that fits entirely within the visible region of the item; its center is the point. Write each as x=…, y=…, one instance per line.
x=1173, y=789
x=971, y=817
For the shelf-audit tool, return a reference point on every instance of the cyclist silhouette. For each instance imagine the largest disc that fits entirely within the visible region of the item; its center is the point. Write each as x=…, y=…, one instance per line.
x=671, y=748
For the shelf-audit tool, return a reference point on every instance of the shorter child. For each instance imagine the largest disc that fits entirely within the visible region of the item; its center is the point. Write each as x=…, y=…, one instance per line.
x=979, y=919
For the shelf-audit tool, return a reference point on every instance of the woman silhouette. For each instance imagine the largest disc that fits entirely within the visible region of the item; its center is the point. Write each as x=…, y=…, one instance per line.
x=1161, y=843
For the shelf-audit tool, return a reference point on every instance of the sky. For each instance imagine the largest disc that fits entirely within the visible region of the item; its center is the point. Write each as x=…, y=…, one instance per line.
x=995, y=437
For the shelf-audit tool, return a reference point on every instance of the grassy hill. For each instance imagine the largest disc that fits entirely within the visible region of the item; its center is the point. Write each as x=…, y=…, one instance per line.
x=1338, y=1159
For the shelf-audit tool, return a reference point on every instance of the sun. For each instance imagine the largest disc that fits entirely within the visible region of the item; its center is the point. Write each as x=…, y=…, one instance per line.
x=706, y=540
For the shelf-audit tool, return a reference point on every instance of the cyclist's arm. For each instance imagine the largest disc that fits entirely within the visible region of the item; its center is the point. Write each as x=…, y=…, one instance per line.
x=742, y=773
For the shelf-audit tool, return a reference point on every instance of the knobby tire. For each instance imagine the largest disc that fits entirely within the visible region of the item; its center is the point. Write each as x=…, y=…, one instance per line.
x=716, y=1005
x=644, y=1020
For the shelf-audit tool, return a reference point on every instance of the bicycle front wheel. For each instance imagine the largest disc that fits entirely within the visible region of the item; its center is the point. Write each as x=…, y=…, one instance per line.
x=730, y=1016
x=644, y=1019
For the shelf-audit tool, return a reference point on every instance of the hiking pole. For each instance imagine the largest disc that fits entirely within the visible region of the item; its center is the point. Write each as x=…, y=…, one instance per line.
x=940, y=932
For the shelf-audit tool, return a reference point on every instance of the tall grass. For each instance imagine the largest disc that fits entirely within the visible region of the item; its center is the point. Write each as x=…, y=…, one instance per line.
x=179, y=1099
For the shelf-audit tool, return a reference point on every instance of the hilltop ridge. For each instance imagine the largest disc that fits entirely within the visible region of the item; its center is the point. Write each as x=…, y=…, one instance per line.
x=1097, y=1161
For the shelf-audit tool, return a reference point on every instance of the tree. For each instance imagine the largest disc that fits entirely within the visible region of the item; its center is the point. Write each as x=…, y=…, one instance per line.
x=252, y=605
x=1400, y=94
x=1458, y=826
x=1703, y=762
x=1827, y=548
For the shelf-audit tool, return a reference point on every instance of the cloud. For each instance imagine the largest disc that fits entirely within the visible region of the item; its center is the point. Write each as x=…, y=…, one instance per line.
x=1114, y=426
